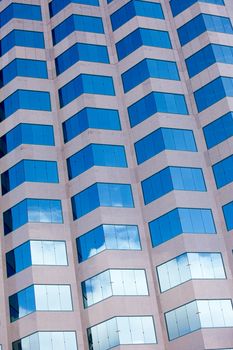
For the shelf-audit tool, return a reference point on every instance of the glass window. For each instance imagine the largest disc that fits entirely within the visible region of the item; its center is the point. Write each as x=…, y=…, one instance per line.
x=178, y=6
x=190, y=266
x=181, y=220
x=149, y=68
x=200, y=24
x=219, y=130
x=101, y=194
x=81, y=52
x=223, y=172
x=25, y=99
x=40, y=298
x=156, y=102
x=32, y=210
x=77, y=23
x=228, y=215
x=26, y=134
x=122, y=331
x=114, y=282
x=21, y=11
x=85, y=84
x=213, y=92
x=47, y=340
x=35, y=253
x=56, y=6
x=199, y=314
x=172, y=178
x=96, y=155
x=140, y=37
x=24, y=68
x=29, y=171
x=136, y=8
x=115, y=237
x=96, y=118
x=164, y=138
x=24, y=38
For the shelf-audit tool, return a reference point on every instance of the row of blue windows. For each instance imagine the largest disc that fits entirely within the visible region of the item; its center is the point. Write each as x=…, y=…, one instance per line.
x=140, y=37
x=32, y=210
x=172, y=178
x=149, y=68
x=178, y=6
x=85, y=83
x=223, y=172
x=200, y=24
x=156, y=102
x=56, y=6
x=101, y=195
x=96, y=155
x=213, y=92
x=29, y=170
x=23, y=68
x=25, y=99
x=24, y=133
x=89, y=117
x=136, y=8
x=113, y=237
x=181, y=220
x=207, y=56
x=81, y=52
x=162, y=139
x=219, y=130
x=21, y=11
x=79, y=23
x=24, y=38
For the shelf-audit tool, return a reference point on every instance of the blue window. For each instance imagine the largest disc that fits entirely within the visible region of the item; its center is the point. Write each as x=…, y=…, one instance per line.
x=96, y=155
x=24, y=68
x=140, y=37
x=79, y=23
x=113, y=237
x=172, y=178
x=149, y=68
x=228, y=215
x=207, y=56
x=25, y=99
x=101, y=195
x=24, y=133
x=223, y=172
x=35, y=253
x=96, y=118
x=56, y=6
x=136, y=8
x=178, y=6
x=32, y=210
x=164, y=138
x=213, y=92
x=21, y=11
x=219, y=130
x=85, y=83
x=29, y=171
x=200, y=24
x=81, y=52
x=23, y=38
x=181, y=220
x=156, y=102
x=40, y=297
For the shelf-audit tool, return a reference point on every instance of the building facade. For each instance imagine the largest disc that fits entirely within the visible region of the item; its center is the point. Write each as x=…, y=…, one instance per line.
x=116, y=160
